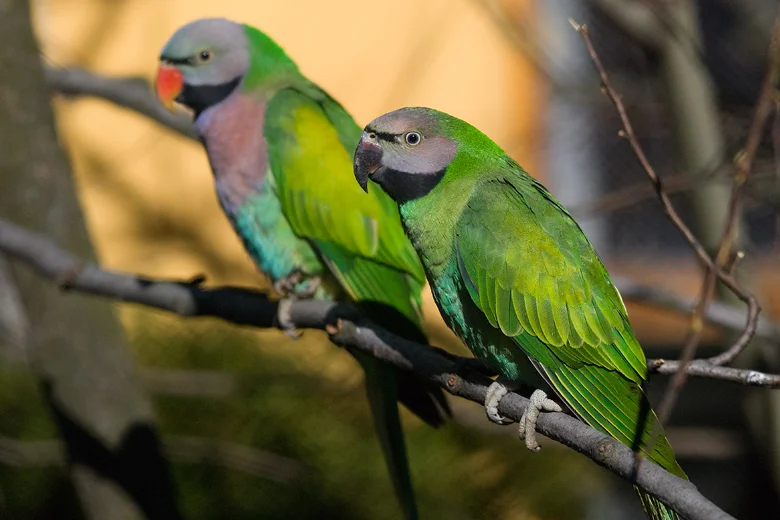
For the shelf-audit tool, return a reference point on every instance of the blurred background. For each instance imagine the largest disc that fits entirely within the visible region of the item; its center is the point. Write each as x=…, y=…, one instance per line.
x=256, y=425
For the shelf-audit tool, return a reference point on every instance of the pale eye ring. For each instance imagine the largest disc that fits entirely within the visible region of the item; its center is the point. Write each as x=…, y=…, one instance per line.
x=412, y=138
x=205, y=55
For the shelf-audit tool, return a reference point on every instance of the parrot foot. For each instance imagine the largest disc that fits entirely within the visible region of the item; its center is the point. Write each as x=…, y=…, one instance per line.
x=495, y=392
x=312, y=284
x=284, y=318
x=285, y=285
x=527, y=430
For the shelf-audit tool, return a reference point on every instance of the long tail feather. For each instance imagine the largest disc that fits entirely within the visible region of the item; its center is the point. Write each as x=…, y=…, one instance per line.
x=614, y=405
x=422, y=398
x=381, y=387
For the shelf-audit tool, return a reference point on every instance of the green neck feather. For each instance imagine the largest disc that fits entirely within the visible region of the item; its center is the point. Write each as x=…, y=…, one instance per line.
x=477, y=154
x=269, y=65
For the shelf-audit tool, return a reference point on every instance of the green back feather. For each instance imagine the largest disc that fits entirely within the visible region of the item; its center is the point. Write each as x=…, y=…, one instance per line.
x=269, y=66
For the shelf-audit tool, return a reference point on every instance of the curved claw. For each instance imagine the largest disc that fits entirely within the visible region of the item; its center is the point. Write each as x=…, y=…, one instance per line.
x=284, y=318
x=527, y=427
x=312, y=284
x=284, y=286
x=495, y=392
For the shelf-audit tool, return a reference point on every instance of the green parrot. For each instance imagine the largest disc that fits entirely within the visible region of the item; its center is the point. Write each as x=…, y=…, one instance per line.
x=515, y=277
x=280, y=149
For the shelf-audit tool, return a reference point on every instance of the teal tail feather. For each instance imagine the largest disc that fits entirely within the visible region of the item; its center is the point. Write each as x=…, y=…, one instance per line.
x=382, y=392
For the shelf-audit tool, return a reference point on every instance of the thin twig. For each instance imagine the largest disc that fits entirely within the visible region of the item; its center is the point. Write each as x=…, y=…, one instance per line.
x=680, y=377
x=128, y=92
x=743, y=166
x=715, y=268
x=246, y=307
x=725, y=277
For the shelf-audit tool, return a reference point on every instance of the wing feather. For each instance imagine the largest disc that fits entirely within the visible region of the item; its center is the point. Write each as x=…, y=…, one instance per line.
x=359, y=236
x=308, y=128
x=538, y=274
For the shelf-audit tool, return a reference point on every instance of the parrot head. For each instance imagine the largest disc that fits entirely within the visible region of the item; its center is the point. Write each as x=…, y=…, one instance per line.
x=405, y=152
x=202, y=63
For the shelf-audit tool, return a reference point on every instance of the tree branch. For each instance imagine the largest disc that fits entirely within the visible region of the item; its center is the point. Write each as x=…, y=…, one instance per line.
x=131, y=93
x=725, y=277
x=718, y=268
x=246, y=307
x=232, y=304
x=136, y=94
x=743, y=166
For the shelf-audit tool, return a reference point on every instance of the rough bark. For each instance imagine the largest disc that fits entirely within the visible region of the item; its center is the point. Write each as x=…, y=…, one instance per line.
x=74, y=344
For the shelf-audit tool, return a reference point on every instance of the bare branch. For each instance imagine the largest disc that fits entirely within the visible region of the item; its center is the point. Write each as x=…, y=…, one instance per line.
x=132, y=93
x=704, y=368
x=715, y=267
x=634, y=195
x=725, y=277
x=743, y=166
x=125, y=91
x=251, y=308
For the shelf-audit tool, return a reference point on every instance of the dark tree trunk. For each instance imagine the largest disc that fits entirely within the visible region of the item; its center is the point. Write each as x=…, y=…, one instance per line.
x=74, y=344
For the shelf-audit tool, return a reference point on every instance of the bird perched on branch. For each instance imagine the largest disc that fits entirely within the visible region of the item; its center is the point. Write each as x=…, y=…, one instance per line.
x=281, y=149
x=515, y=277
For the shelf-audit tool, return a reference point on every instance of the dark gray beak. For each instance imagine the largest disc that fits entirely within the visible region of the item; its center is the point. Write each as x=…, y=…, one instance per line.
x=368, y=159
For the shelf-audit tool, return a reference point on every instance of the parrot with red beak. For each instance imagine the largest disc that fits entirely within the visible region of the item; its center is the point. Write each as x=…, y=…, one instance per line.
x=280, y=149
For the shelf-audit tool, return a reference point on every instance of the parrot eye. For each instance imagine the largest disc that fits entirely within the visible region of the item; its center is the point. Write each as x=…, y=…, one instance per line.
x=413, y=138
x=204, y=56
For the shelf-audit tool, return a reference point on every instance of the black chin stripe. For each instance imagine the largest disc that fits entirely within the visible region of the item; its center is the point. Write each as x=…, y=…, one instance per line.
x=201, y=97
x=403, y=186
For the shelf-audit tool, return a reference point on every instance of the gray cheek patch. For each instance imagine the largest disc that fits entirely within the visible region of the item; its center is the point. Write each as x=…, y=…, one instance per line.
x=430, y=157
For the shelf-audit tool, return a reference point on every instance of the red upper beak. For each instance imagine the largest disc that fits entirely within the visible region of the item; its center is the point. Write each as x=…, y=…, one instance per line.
x=168, y=85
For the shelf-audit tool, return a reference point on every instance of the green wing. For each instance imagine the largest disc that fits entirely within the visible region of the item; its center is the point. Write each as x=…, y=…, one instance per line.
x=533, y=273
x=311, y=140
x=310, y=143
